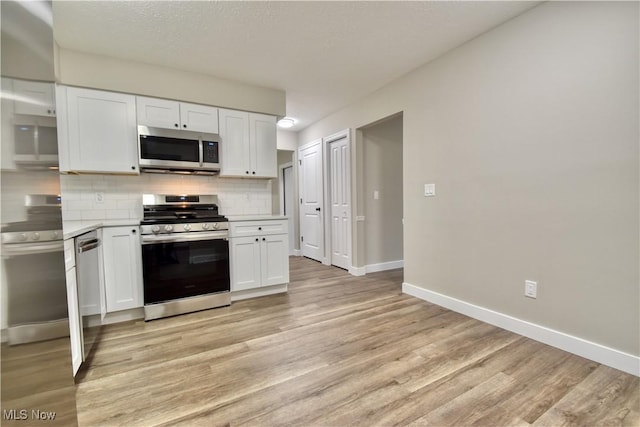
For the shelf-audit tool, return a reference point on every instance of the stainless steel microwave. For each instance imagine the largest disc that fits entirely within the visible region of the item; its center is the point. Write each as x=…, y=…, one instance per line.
x=169, y=150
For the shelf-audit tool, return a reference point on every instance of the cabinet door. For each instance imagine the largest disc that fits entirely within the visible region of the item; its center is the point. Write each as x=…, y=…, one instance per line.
x=244, y=258
x=75, y=327
x=200, y=118
x=160, y=113
x=275, y=259
x=234, y=143
x=122, y=268
x=102, y=135
x=262, y=134
x=7, y=148
x=35, y=98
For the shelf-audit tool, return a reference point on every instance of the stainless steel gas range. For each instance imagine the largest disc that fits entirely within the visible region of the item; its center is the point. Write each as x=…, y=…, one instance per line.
x=185, y=255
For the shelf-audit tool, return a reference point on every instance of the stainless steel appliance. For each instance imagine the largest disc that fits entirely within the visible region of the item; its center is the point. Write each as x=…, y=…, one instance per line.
x=33, y=255
x=90, y=296
x=178, y=151
x=185, y=255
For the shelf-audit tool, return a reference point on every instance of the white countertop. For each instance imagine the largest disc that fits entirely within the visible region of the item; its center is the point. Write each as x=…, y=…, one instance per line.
x=73, y=229
x=254, y=217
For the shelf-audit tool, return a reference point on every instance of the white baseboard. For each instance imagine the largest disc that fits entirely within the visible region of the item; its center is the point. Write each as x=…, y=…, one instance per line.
x=259, y=292
x=374, y=268
x=123, y=316
x=357, y=271
x=295, y=252
x=581, y=347
x=383, y=266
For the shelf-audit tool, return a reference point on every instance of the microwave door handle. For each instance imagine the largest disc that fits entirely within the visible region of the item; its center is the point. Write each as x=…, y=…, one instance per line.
x=200, y=144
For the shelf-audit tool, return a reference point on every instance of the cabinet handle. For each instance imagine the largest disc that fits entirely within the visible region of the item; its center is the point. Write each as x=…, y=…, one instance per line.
x=254, y=172
x=176, y=125
x=259, y=228
x=247, y=172
x=263, y=239
x=48, y=111
x=133, y=168
x=256, y=239
x=133, y=231
x=184, y=126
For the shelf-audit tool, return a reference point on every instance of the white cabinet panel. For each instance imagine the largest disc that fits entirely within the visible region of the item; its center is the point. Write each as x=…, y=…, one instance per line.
x=160, y=113
x=234, y=143
x=260, y=259
x=245, y=263
x=75, y=329
x=34, y=98
x=97, y=131
x=163, y=113
x=264, y=152
x=122, y=268
x=275, y=259
x=200, y=118
x=248, y=144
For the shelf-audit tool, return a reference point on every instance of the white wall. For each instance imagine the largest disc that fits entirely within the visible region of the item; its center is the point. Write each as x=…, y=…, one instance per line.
x=101, y=72
x=287, y=140
x=123, y=194
x=530, y=133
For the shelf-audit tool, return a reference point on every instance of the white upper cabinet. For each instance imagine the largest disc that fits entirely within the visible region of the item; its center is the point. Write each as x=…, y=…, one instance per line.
x=248, y=144
x=163, y=113
x=34, y=98
x=96, y=131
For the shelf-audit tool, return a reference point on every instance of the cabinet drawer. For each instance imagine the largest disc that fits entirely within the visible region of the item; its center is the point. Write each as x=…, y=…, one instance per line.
x=257, y=228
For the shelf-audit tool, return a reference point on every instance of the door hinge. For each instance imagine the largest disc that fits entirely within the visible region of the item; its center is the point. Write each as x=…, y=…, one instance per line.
x=300, y=161
x=302, y=238
x=301, y=200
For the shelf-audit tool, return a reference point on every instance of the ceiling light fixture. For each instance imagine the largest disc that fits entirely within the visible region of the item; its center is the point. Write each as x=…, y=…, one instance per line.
x=286, y=122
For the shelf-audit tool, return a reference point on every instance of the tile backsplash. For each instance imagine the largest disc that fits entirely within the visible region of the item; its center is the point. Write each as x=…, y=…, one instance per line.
x=122, y=195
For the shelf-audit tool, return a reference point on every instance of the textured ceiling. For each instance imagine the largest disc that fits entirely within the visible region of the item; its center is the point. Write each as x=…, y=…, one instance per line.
x=325, y=55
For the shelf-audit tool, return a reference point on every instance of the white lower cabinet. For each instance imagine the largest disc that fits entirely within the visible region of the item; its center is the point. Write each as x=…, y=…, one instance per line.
x=258, y=258
x=122, y=254
x=73, y=305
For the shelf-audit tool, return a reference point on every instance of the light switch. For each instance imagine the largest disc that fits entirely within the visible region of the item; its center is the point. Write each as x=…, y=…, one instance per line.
x=376, y=194
x=429, y=190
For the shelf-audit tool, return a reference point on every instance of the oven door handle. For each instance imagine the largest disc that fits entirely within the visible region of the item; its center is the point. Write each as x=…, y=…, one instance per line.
x=184, y=237
x=32, y=248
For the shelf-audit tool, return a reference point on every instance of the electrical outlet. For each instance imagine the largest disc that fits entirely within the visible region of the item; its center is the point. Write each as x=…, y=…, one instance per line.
x=530, y=289
x=99, y=197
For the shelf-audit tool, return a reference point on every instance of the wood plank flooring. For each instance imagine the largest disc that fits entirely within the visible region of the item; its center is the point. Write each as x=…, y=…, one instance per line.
x=338, y=350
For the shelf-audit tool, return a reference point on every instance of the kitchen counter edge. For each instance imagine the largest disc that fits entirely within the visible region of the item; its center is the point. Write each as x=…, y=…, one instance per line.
x=72, y=229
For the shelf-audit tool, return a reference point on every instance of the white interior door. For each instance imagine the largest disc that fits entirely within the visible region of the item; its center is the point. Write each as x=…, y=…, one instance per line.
x=311, y=228
x=339, y=164
x=289, y=200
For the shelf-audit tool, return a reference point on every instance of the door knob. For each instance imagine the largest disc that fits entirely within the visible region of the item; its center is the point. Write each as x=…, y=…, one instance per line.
x=318, y=209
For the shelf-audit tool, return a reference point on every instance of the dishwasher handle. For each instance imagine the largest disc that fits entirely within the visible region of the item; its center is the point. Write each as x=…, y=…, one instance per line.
x=88, y=245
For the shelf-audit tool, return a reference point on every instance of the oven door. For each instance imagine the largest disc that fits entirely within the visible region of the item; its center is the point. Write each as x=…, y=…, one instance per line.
x=177, y=267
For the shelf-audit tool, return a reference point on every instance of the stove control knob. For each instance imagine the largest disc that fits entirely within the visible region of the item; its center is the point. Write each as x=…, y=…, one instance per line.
x=187, y=227
x=168, y=228
x=22, y=236
x=205, y=226
x=35, y=236
x=155, y=229
x=55, y=235
x=215, y=226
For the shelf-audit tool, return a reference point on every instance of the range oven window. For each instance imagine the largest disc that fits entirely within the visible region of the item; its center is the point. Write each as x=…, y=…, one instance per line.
x=164, y=148
x=184, y=269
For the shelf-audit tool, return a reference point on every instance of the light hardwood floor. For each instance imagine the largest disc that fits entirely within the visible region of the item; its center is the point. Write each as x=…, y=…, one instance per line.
x=339, y=350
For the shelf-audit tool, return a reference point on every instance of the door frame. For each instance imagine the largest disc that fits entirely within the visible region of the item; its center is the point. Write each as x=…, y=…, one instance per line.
x=292, y=216
x=326, y=171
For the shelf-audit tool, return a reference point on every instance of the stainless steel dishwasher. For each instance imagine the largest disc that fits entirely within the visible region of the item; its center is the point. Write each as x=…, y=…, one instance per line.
x=90, y=290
